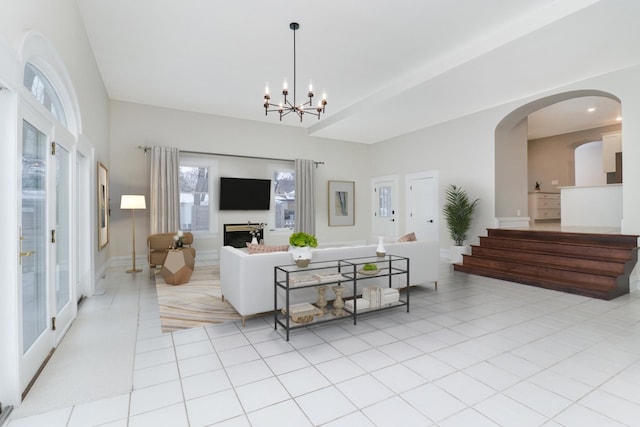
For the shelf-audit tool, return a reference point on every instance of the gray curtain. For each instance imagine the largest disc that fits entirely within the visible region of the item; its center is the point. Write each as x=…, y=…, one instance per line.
x=164, y=200
x=305, y=197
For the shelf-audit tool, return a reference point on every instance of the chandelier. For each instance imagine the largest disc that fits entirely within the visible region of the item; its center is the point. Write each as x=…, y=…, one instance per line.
x=285, y=106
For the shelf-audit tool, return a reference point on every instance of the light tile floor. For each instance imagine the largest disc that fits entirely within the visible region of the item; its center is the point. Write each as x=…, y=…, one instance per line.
x=477, y=352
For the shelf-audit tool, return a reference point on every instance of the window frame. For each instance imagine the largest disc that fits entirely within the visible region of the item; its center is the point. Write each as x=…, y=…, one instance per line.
x=273, y=168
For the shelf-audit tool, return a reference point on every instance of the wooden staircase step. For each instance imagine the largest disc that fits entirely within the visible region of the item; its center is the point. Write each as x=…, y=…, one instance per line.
x=547, y=283
x=585, y=279
x=577, y=250
x=623, y=241
x=595, y=266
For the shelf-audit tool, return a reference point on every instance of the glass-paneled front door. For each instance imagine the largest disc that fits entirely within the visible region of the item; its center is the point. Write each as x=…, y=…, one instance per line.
x=64, y=304
x=37, y=339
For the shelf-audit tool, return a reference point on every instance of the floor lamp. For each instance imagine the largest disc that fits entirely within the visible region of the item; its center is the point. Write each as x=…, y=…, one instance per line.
x=133, y=202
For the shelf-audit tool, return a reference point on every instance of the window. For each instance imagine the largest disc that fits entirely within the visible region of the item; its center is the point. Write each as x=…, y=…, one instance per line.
x=44, y=92
x=284, y=198
x=196, y=194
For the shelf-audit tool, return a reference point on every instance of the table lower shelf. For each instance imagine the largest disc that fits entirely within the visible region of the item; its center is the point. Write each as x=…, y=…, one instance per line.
x=329, y=316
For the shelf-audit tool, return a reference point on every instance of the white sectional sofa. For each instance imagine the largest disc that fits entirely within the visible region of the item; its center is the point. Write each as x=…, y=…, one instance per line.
x=248, y=279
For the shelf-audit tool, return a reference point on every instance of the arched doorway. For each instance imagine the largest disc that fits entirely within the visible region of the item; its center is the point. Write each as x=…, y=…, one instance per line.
x=512, y=180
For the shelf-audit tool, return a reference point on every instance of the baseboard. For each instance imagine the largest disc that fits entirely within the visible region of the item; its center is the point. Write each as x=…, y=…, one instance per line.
x=207, y=257
x=4, y=414
x=211, y=257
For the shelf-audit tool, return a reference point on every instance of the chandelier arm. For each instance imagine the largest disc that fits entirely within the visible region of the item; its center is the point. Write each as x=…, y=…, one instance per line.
x=285, y=112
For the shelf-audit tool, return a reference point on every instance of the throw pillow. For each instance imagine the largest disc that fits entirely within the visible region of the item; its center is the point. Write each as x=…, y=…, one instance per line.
x=411, y=237
x=261, y=249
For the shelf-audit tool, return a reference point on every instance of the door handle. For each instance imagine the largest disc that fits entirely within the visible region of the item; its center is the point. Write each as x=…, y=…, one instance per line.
x=22, y=253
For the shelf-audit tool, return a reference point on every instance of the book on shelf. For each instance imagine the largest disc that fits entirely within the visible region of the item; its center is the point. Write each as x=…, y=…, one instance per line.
x=378, y=296
x=302, y=280
x=373, y=295
x=360, y=304
x=302, y=312
x=328, y=277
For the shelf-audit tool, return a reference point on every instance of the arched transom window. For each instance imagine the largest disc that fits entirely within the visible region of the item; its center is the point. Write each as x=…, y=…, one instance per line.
x=43, y=91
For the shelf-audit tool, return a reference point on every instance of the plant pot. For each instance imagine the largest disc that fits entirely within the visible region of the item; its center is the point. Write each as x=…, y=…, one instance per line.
x=301, y=255
x=456, y=252
x=300, y=262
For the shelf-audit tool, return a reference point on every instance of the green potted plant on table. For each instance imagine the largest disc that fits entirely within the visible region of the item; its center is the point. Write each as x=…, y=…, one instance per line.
x=458, y=212
x=301, y=244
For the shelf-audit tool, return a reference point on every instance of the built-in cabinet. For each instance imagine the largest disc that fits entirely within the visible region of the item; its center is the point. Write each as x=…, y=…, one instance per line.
x=544, y=206
x=611, y=144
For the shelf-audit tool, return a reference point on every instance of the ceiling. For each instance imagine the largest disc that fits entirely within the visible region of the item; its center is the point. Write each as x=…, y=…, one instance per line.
x=388, y=68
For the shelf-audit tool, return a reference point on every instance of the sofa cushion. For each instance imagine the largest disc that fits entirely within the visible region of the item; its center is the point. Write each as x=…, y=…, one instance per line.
x=410, y=237
x=260, y=249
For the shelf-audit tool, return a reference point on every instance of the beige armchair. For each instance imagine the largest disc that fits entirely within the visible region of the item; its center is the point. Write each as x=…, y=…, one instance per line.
x=159, y=244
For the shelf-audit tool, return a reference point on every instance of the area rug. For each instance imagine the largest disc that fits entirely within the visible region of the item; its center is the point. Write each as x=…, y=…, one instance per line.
x=194, y=304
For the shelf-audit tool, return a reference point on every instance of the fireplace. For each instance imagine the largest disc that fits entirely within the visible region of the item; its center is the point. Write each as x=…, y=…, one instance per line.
x=237, y=235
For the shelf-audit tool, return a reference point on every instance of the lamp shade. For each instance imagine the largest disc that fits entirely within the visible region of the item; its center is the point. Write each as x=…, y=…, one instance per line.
x=132, y=201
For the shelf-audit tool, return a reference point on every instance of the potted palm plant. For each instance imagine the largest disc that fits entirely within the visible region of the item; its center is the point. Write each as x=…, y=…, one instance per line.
x=301, y=244
x=458, y=212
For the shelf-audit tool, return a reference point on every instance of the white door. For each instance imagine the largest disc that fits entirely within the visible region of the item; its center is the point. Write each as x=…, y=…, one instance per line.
x=384, y=194
x=48, y=304
x=64, y=301
x=35, y=316
x=422, y=206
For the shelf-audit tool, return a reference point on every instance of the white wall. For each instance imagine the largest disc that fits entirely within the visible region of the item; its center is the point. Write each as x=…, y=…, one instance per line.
x=463, y=150
x=133, y=125
x=589, y=164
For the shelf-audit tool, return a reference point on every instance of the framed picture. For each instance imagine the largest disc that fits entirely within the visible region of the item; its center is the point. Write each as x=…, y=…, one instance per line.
x=103, y=206
x=341, y=203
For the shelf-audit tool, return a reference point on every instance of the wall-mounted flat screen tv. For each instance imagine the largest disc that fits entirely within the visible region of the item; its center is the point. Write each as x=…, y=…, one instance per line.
x=244, y=194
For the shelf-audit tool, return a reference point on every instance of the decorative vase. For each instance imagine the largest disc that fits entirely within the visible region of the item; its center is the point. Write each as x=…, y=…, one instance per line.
x=254, y=240
x=322, y=301
x=338, y=303
x=380, y=251
x=302, y=262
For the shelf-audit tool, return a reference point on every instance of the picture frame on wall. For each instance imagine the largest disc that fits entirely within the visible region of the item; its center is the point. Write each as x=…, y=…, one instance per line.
x=103, y=206
x=341, y=203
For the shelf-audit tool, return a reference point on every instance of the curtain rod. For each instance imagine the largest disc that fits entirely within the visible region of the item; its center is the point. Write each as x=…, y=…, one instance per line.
x=146, y=148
